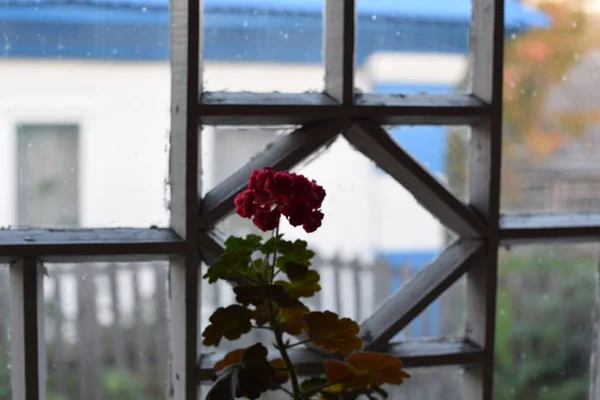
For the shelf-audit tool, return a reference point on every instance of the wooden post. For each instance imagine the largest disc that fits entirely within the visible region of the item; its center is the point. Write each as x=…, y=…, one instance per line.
x=60, y=360
x=89, y=343
x=595, y=358
x=161, y=331
x=117, y=325
x=140, y=342
x=28, y=347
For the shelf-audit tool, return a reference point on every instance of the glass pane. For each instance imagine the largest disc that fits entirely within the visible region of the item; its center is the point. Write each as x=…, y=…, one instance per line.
x=107, y=330
x=442, y=150
x=374, y=233
x=225, y=149
x=544, y=329
x=551, y=135
x=5, y=385
x=431, y=383
x=263, y=45
x=83, y=135
x=415, y=47
x=411, y=47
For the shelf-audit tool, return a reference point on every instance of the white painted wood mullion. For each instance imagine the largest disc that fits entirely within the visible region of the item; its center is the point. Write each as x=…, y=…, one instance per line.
x=487, y=58
x=183, y=176
x=374, y=142
x=78, y=245
x=420, y=291
x=414, y=353
x=284, y=153
x=28, y=347
x=340, y=32
x=228, y=108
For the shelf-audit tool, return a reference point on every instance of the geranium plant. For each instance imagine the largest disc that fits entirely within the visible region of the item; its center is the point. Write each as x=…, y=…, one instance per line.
x=270, y=279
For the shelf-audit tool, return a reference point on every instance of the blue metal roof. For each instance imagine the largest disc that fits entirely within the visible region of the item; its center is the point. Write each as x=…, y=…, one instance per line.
x=245, y=30
x=516, y=13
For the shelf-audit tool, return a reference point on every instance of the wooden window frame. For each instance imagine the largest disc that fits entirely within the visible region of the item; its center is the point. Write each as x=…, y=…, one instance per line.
x=339, y=110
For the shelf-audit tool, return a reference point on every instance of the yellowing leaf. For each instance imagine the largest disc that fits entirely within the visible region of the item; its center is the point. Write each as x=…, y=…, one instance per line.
x=365, y=369
x=246, y=370
x=292, y=319
x=303, y=282
x=230, y=322
x=327, y=330
x=231, y=358
x=314, y=385
x=281, y=374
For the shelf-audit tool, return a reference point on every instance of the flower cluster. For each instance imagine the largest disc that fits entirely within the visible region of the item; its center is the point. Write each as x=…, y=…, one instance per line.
x=271, y=194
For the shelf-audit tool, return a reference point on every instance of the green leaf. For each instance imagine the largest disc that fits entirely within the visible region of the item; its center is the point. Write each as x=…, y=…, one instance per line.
x=269, y=246
x=249, y=243
x=236, y=261
x=225, y=386
x=293, y=252
x=256, y=295
x=303, y=282
x=231, y=323
x=312, y=383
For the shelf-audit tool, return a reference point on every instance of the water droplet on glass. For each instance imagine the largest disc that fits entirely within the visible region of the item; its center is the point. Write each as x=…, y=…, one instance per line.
x=144, y=9
x=374, y=17
x=513, y=36
x=564, y=78
x=245, y=23
x=574, y=24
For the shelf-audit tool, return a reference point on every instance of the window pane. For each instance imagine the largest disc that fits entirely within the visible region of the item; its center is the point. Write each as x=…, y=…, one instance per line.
x=107, y=330
x=374, y=235
x=225, y=149
x=263, y=45
x=551, y=134
x=83, y=134
x=431, y=383
x=544, y=329
x=412, y=47
x=5, y=385
x=441, y=150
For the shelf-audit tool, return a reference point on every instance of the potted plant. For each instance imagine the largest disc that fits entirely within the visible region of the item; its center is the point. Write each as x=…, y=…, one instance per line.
x=270, y=279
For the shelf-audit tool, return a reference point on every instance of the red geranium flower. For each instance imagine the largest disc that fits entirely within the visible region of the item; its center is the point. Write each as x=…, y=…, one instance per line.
x=271, y=194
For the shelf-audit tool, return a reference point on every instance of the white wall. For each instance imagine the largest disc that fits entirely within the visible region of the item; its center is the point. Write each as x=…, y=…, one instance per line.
x=123, y=113
x=122, y=110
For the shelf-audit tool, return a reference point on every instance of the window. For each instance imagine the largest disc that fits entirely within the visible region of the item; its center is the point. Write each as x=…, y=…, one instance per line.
x=394, y=277
x=48, y=182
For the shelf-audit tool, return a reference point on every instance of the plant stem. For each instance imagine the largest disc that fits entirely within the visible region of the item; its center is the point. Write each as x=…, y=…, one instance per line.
x=283, y=350
x=262, y=327
x=299, y=343
x=275, y=254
